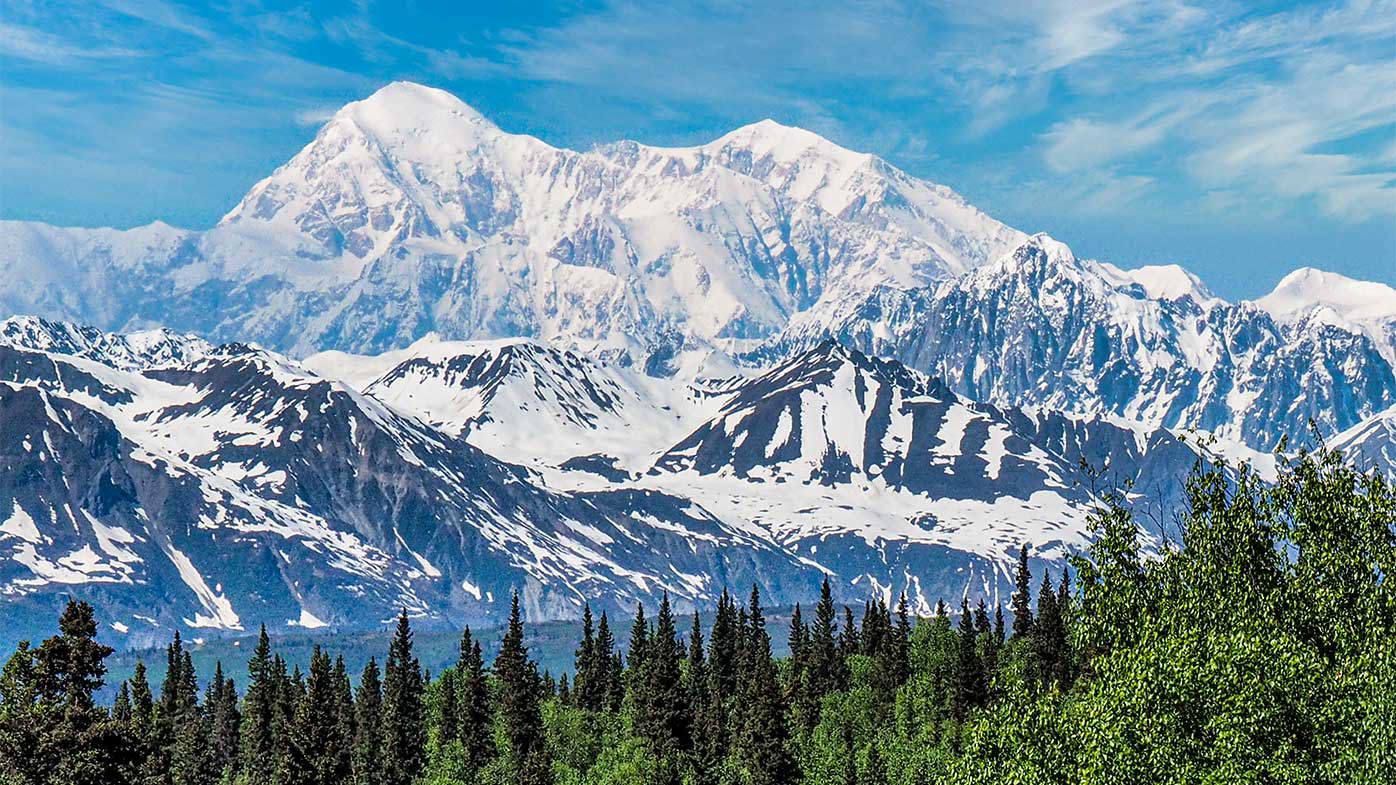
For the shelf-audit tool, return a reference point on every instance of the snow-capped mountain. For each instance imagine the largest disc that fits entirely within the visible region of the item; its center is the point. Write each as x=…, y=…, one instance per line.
x=411, y=213
x=1039, y=327
x=237, y=487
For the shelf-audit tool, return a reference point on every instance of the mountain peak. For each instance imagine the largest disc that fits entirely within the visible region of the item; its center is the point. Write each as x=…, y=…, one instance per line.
x=1308, y=288
x=408, y=106
x=1164, y=282
x=781, y=142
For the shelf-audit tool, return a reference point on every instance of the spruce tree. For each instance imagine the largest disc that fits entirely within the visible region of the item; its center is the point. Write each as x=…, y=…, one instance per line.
x=121, y=707
x=969, y=673
x=901, y=637
x=257, y=747
x=367, y=760
x=1048, y=636
x=849, y=643
x=473, y=706
x=660, y=715
x=998, y=625
x=404, y=720
x=142, y=702
x=828, y=672
x=606, y=668
x=56, y=726
x=519, y=714
x=221, y=709
x=318, y=724
x=800, y=693
x=588, y=684
x=446, y=718
x=1022, y=595
x=346, y=717
x=722, y=651
x=709, y=744
x=638, y=655
x=759, y=748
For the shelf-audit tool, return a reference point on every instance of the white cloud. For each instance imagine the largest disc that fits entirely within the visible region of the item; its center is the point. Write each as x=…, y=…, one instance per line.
x=315, y=115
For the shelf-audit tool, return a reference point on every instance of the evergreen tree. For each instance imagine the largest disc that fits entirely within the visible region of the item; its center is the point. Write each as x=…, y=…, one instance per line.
x=404, y=720
x=223, y=719
x=446, y=718
x=1022, y=595
x=800, y=693
x=902, y=641
x=849, y=643
x=473, y=706
x=318, y=724
x=121, y=707
x=606, y=668
x=50, y=727
x=346, y=716
x=969, y=682
x=564, y=691
x=519, y=715
x=257, y=747
x=70, y=665
x=592, y=671
x=998, y=625
x=142, y=702
x=638, y=656
x=1048, y=636
x=759, y=746
x=367, y=760
x=798, y=639
x=828, y=672
x=658, y=704
x=708, y=742
x=722, y=651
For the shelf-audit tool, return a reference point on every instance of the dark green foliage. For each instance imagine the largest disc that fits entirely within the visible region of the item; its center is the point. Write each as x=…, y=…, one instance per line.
x=827, y=669
x=970, y=685
x=50, y=728
x=366, y=762
x=1022, y=595
x=473, y=713
x=404, y=714
x=518, y=706
x=759, y=754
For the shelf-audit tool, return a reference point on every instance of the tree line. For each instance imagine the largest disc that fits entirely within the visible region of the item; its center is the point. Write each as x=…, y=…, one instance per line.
x=1260, y=648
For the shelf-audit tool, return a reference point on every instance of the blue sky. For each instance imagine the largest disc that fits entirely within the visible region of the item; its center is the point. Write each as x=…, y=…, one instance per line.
x=1239, y=140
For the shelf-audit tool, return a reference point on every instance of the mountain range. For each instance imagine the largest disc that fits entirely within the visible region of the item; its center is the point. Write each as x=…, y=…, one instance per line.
x=428, y=362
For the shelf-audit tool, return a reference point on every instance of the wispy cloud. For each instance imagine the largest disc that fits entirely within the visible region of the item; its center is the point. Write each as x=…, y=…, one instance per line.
x=27, y=43
x=1255, y=107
